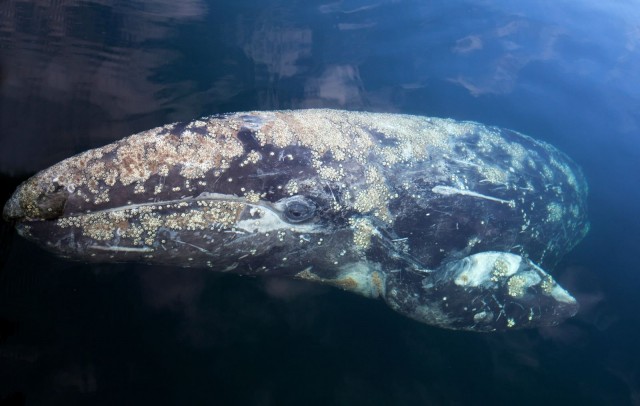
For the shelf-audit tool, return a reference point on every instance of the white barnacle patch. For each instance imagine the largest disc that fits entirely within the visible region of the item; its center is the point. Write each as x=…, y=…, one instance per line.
x=252, y=158
x=375, y=197
x=486, y=267
x=211, y=144
x=356, y=136
x=363, y=230
x=197, y=124
x=554, y=212
x=493, y=174
x=156, y=152
x=518, y=284
x=139, y=188
x=292, y=187
x=570, y=176
x=139, y=224
x=330, y=173
x=518, y=154
x=473, y=242
x=253, y=197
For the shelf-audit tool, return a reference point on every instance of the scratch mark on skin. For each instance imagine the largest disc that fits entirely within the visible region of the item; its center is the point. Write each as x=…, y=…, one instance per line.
x=517, y=304
x=332, y=194
x=501, y=185
x=264, y=174
x=196, y=247
x=461, y=162
x=120, y=249
x=448, y=190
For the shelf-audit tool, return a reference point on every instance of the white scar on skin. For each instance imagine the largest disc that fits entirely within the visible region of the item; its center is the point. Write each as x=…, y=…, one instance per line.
x=448, y=190
x=120, y=249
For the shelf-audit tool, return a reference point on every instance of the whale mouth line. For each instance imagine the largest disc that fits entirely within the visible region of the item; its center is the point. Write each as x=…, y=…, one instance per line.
x=120, y=248
x=203, y=197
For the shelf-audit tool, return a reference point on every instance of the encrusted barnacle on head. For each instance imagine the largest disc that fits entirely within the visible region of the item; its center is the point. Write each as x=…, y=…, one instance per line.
x=363, y=231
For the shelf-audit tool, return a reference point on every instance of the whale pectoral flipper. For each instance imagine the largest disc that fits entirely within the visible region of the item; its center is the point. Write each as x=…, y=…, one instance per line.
x=487, y=291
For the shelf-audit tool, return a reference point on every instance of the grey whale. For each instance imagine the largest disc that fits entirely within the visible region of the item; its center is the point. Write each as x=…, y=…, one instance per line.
x=451, y=223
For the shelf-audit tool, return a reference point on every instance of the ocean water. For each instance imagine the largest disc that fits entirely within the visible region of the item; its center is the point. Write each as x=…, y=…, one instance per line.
x=80, y=74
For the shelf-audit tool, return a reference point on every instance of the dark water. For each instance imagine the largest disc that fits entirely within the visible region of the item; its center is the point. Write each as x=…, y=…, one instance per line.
x=78, y=74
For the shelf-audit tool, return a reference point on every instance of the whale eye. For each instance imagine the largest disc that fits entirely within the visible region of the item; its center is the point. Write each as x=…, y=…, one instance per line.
x=298, y=209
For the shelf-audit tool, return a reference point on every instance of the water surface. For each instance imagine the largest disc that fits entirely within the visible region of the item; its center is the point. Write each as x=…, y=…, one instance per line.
x=79, y=74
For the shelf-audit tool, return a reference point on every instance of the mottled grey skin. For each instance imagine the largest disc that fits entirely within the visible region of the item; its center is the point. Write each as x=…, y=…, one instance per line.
x=449, y=222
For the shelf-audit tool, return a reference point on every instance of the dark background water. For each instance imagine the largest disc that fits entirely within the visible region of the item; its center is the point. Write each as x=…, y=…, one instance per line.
x=78, y=74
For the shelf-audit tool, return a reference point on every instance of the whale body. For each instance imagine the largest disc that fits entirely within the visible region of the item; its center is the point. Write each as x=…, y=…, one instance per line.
x=452, y=223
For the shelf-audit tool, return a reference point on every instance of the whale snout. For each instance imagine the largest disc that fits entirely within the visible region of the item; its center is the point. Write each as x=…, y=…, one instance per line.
x=12, y=210
x=35, y=201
